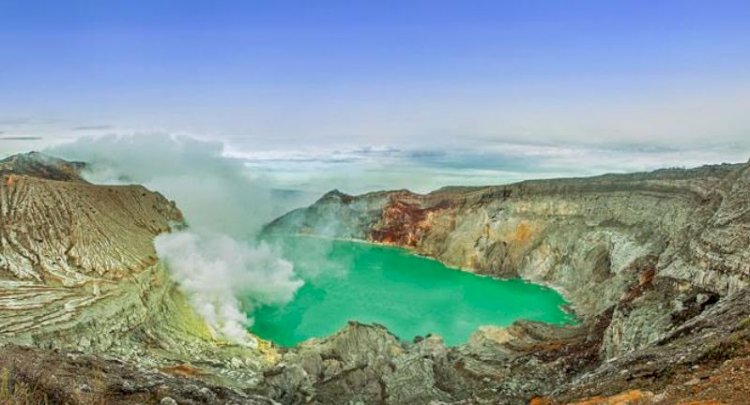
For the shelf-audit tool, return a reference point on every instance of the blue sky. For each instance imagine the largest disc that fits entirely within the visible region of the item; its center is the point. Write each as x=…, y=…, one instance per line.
x=319, y=77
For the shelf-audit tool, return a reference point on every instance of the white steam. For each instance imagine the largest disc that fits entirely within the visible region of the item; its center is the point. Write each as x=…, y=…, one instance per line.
x=216, y=261
x=215, y=270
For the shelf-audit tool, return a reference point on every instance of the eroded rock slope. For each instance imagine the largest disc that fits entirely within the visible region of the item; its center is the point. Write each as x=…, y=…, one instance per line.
x=79, y=272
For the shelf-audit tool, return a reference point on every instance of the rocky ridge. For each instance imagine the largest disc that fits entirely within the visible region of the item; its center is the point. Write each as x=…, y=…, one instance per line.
x=640, y=256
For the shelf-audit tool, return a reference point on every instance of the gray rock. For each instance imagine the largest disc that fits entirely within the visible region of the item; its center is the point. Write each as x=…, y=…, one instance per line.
x=167, y=401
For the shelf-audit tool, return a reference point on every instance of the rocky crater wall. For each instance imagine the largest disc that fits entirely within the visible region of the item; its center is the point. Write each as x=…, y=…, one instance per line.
x=655, y=264
x=79, y=272
x=650, y=247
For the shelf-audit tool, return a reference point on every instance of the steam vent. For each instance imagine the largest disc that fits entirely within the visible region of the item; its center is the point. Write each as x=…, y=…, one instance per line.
x=655, y=267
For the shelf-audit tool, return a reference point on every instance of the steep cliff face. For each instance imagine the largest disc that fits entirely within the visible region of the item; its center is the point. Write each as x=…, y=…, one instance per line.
x=714, y=252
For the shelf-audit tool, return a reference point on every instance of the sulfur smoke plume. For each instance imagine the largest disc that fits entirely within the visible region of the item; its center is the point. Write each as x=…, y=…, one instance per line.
x=217, y=260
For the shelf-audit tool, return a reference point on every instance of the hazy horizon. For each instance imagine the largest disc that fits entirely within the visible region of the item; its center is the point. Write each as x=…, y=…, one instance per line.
x=388, y=95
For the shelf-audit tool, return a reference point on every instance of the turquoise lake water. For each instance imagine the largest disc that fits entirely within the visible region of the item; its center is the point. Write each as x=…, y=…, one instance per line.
x=409, y=294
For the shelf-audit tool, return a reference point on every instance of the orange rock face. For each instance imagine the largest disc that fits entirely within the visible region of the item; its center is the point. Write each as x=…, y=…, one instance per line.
x=523, y=232
x=181, y=370
x=11, y=180
x=632, y=397
x=405, y=222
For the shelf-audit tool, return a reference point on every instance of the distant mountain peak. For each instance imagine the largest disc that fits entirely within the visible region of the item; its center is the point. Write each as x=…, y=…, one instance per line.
x=38, y=164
